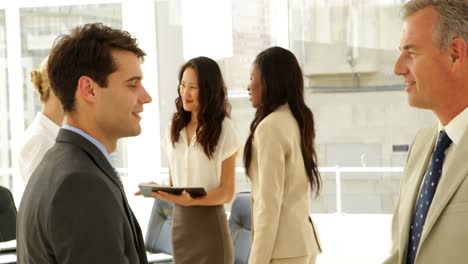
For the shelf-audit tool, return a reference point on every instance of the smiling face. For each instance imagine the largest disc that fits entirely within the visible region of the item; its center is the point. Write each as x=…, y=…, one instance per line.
x=255, y=86
x=120, y=104
x=189, y=90
x=424, y=67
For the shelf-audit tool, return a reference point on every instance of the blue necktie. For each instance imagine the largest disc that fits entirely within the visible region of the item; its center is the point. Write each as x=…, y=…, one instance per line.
x=427, y=193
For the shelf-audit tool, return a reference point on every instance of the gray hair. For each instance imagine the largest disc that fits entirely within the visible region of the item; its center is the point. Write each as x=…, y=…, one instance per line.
x=453, y=18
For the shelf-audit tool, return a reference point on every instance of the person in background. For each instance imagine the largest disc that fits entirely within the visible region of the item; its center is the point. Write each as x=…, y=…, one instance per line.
x=40, y=136
x=74, y=209
x=202, y=146
x=280, y=160
x=429, y=221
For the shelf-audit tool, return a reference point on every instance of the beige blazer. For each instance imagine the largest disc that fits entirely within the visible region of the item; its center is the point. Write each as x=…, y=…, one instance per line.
x=281, y=226
x=445, y=234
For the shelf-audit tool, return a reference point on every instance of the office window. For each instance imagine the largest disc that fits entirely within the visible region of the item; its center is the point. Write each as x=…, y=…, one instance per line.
x=5, y=159
x=347, y=50
x=346, y=44
x=253, y=29
x=40, y=26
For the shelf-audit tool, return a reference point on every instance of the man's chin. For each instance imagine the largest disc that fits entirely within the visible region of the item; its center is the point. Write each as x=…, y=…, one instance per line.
x=134, y=132
x=411, y=101
x=417, y=104
x=137, y=131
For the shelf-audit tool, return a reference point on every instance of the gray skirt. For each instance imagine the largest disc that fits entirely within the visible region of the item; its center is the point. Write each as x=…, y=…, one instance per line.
x=200, y=234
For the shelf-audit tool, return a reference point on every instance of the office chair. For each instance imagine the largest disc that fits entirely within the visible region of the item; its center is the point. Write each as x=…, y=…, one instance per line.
x=241, y=227
x=158, y=236
x=7, y=215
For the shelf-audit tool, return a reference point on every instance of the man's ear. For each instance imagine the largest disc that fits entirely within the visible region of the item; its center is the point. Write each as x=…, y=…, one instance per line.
x=86, y=89
x=458, y=52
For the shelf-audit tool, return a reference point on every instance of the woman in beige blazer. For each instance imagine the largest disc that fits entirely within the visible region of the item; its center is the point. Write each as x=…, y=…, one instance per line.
x=281, y=162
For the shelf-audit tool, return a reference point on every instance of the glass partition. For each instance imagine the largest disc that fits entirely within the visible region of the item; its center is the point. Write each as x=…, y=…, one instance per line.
x=5, y=149
x=40, y=26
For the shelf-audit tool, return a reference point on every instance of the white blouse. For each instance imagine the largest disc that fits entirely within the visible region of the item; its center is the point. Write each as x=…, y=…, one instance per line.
x=191, y=167
x=38, y=138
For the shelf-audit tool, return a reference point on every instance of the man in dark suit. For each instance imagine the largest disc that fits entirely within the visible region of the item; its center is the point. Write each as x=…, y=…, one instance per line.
x=74, y=208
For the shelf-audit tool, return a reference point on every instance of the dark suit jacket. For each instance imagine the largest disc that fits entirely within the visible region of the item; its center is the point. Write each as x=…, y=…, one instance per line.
x=74, y=210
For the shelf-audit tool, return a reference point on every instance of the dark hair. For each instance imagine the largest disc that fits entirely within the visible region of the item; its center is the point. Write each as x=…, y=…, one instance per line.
x=86, y=51
x=282, y=82
x=213, y=103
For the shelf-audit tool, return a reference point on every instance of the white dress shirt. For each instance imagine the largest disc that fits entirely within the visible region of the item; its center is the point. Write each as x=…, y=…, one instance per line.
x=454, y=129
x=38, y=138
x=191, y=167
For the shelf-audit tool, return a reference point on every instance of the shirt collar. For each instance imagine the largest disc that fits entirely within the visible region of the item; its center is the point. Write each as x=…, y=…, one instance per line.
x=457, y=127
x=90, y=138
x=183, y=135
x=49, y=124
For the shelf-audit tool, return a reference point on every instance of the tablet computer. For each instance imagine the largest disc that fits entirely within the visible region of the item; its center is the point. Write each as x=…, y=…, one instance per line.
x=147, y=188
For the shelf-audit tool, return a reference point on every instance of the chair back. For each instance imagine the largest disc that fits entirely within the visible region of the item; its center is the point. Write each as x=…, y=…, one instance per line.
x=158, y=236
x=241, y=227
x=7, y=215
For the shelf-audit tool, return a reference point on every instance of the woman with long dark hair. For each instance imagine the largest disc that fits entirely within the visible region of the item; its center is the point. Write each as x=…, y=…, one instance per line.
x=202, y=146
x=280, y=160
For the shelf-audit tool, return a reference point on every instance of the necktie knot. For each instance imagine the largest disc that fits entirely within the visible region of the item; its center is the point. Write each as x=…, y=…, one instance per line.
x=443, y=142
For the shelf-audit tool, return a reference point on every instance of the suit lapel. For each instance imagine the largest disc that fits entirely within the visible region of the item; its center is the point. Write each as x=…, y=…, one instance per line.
x=95, y=154
x=454, y=174
x=415, y=170
x=141, y=243
x=101, y=161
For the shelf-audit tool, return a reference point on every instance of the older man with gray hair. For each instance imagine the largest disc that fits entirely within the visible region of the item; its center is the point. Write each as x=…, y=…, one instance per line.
x=429, y=223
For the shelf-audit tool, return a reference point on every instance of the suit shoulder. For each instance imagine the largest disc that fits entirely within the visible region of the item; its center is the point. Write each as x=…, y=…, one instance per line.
x=424, y=135
x=66, y=165
x=79, y=181
x=279, y=120
x=71, y=156
x=85, y=190
x=227, y=123
x=426, y=132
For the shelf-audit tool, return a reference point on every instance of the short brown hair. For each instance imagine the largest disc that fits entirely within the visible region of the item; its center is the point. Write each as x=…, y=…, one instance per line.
x=86, y=51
